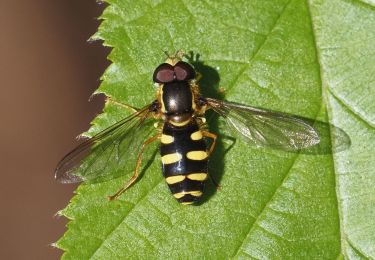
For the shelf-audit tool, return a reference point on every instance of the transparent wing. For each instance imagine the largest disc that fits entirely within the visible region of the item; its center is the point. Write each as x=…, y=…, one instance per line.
x=108, y=154
x=266, y=128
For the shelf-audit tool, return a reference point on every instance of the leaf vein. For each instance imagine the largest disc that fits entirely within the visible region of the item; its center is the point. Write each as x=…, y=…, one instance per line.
x=364, y=3
x=252, y=226
x=325, y=90
x=357, y=250
x=351, y=110
x=249, y=63
x=127, y=214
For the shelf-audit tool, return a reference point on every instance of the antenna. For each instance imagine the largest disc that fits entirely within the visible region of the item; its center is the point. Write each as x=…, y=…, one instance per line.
x=180, y=54
x=167, y=54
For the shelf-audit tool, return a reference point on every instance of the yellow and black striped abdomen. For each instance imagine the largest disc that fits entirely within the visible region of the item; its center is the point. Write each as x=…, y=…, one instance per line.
x=184, y=159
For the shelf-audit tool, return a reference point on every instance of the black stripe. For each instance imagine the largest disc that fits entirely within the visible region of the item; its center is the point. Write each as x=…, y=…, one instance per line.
x=186, y=185
x=190, y=128
x=182, y=147
x=185, y=167
x=188, y=198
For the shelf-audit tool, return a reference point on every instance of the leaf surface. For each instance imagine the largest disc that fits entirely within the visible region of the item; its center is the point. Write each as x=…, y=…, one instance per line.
x=309, y=58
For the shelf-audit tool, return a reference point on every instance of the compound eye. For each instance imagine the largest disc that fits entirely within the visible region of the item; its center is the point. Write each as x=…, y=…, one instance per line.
x=164, y=73
x=184, y=71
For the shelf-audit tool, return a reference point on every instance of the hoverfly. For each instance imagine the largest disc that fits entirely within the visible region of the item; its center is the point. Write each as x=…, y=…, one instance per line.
x=179, y=108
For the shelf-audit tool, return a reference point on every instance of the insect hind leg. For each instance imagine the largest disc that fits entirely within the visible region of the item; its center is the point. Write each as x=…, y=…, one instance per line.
x=217, y=186
x=136, y=171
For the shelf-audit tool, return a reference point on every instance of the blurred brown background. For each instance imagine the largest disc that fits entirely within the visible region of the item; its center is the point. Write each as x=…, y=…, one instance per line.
x=48, y=71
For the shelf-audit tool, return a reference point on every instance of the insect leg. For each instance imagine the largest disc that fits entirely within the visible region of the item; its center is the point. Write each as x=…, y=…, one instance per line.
x=109, y=99
x=198, y=76
x=218, y=187
x=213, y=137
x=212, y=147
x=137, y=168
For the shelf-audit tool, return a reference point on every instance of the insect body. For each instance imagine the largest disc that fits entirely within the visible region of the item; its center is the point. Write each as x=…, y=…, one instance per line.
x=180, y=107
x=183, y=150
x=184, y=159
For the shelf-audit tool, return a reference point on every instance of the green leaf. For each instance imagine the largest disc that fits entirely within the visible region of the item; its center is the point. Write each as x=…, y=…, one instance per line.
x=310, y=58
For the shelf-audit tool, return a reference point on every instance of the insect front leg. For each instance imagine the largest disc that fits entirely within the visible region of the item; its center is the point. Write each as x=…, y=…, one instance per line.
x=198, y=76
x=137, y=168
x=109, y=99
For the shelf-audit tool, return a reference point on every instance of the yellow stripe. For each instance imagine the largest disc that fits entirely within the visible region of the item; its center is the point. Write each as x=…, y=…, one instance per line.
x=179, y=195
x=187, y=203
x=166, y=139
x=196, y=135
x=175, y=179
x=195, y=193
x=197, y=176
x=197, y=155
x=161, y=99
x=193, y=105
x=180, y=123
x=171, y=158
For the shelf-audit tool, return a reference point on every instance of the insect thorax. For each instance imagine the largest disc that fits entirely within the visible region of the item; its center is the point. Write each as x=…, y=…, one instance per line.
x=177, y=101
